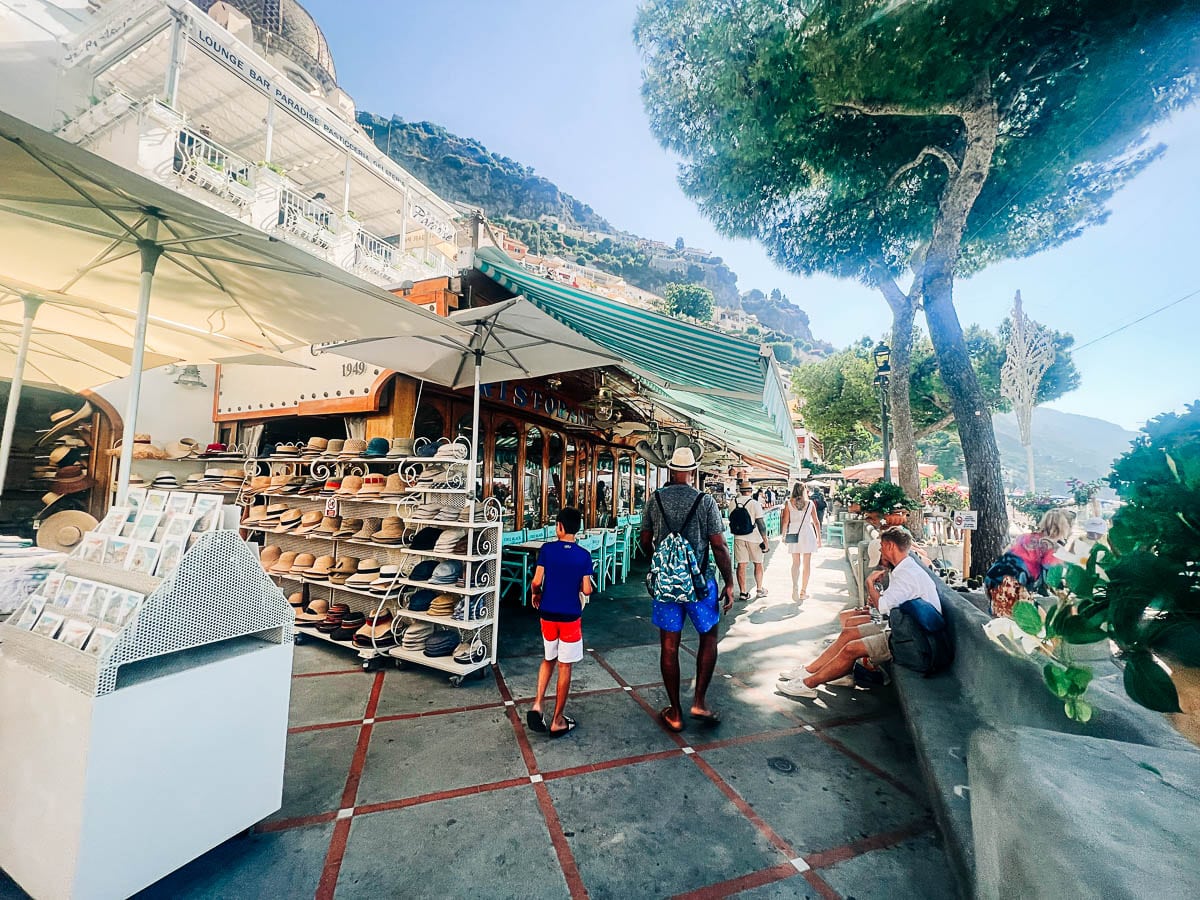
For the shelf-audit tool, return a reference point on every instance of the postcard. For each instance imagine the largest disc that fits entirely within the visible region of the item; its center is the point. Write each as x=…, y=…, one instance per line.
x=121, y=607
x=101, y=640
x=135, y=500
x=172, y=552
x=81, y=597
x=208, y=513
x=75, y=633
x=49, y=623
x=91, y=548
x=69, y=586
x=179, y=502
x=156, y=502
x=143, y=557
x=117, y=552
x=95, y=604
x=28, y=615
x=114, y=521
x=179, y=526
x=147, y=526
x=51, y=586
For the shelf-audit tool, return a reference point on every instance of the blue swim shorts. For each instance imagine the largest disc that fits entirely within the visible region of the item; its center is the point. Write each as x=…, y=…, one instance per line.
x=704, y=615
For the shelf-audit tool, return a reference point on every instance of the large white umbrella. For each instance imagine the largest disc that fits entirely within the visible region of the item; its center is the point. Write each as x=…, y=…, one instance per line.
x=512, y=339
x=55, y=359
x=76, y=224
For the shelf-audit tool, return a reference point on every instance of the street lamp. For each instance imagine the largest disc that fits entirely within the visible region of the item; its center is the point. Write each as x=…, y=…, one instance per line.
x=883, y=369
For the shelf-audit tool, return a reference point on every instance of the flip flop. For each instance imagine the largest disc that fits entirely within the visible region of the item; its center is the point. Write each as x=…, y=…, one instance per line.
x=711, y=720
x=662, y=715
x=570, y=727
x=535, y=721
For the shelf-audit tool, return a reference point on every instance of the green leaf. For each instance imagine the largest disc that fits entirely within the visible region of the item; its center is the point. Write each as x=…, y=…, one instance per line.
x=1082, y=710
x=1180, y=642
x=1080, y=582
x=1147, y=683
x=1053, y=577
x=1079, y=630
x=1028, y=617
x=1078, y=678
x=1056, y=680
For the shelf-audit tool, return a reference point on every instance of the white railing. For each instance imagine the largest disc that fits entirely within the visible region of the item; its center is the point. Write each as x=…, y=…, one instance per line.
x=307, y=218
x=205, y=163
x=373, y=254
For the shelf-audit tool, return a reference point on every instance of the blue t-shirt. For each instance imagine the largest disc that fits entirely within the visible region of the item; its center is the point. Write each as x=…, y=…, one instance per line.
x=565, y=564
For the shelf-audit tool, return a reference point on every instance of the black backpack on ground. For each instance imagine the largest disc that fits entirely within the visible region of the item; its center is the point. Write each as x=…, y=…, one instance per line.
x=919, y=639
x=739, y=520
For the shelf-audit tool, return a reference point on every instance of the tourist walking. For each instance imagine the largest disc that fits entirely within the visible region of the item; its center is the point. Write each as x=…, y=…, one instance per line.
x=801, y=536
x=819, y=501
x=680, y=521
x=748, y=524
x=1019, y=570
x=562, y=579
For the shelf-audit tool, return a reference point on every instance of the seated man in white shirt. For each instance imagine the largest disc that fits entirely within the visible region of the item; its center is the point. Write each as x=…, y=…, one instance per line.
x=861, y=636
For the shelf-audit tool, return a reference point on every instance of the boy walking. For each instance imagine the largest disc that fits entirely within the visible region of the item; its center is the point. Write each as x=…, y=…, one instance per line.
x=564, y=572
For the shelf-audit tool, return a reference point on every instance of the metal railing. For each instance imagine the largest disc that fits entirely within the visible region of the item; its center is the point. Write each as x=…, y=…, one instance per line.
x=205, y=163
x=373, y=253
x=307, y=218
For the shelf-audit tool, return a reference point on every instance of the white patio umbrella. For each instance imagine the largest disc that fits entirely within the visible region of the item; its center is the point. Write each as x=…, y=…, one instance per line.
x=75, y=224
x=62, y=360
x=507, y=340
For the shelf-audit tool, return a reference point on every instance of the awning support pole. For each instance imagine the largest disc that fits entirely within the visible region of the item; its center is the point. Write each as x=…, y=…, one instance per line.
x=475, y=445
x=174, y=63
x=14, y=390
x=150, y=251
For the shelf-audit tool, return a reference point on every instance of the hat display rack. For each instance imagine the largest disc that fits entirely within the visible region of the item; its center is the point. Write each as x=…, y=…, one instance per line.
x=64, y=470
x=183, y=464
x=382, y=548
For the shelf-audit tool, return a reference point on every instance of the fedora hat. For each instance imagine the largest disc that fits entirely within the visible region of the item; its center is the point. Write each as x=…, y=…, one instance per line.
x=400, y=447
x=64, y=455
x=343, y=569
x=315, y=446
x=289, y=521
x=256, y=515
x=372, y=486
x=366, y=530
x=329, y=526
x=63, y=530
x=309, y=521
x=351, y=485
x=331, y=487
x=334, y=447
x=269, y=556
x=348, y=527
x=394, y=486
x=65, y=419
x=302, y=563
x=391, y=531
x=274, y=511
x=320, y=569
x=284, y=564
x=683, y=460
x=257, y=485
x=367, y=571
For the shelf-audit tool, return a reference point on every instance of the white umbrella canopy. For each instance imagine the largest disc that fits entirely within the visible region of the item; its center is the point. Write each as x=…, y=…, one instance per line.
x=75, y=224
x=61, y=360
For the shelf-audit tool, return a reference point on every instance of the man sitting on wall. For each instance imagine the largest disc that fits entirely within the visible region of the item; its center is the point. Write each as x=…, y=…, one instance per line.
x=861, y=636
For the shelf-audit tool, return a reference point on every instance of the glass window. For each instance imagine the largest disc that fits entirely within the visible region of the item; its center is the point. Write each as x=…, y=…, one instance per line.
x=570, y=488
x=605, y=467
x=639, y=484
x=554, y=470
x=463, y=430
x=429, y=423
x=532, y=493
x=626, y=486
x=504, y=464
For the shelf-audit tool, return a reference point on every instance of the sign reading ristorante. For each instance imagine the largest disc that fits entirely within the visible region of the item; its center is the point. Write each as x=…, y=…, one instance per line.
x=530, y=399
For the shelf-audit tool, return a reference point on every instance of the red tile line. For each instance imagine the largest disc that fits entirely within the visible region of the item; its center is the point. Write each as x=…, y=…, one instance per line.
x=639, y=699
x=871, y=767
x=562, y=850
x=324, y=726
x=741, y=883
x=825, y=858
x=341, y=829
x=385, y=805
x=330, y=672
x=821, y=886
x=298, y=822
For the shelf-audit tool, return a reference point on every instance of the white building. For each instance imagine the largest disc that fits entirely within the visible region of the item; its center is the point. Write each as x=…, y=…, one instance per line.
x=234, y=104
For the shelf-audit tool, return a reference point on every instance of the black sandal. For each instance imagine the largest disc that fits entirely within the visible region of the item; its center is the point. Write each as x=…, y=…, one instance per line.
x=535, y=721
x=570, y=727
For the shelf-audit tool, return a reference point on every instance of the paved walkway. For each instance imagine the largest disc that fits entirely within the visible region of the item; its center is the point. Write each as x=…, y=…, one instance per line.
x=399, y=785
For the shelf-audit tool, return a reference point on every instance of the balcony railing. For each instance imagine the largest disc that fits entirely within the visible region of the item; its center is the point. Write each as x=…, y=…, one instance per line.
x=205, y=163
x=373, y=254
x=306, y=218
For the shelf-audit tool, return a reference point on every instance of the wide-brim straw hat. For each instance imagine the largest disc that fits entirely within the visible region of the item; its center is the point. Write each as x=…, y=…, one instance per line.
x=683, y=460
x=64, y=530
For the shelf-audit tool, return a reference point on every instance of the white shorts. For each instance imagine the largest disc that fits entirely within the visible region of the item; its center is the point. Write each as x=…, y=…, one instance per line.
x=747, y=552
x=563, y=641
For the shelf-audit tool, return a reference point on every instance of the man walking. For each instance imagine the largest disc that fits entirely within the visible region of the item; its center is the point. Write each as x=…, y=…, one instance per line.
x=678, y=508
x=748, y=524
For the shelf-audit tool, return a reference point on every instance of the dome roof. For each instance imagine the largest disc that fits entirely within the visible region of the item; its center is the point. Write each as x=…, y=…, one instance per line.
x=286, y=28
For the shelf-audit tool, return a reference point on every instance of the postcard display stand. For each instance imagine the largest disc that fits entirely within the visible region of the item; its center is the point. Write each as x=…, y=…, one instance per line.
x=481, y=562
x=125, y=764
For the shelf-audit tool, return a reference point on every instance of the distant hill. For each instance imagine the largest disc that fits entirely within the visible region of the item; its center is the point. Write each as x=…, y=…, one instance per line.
x=552, y=222
x=1065, y=446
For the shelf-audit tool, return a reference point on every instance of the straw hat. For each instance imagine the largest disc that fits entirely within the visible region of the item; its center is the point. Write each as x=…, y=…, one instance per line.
x=64, y=420
x=372, y=486
x=302, y=563
x=683, y=460
x=63, y=530
x=400, y=447
x=351, y=485
x=309, y=521
x=353, y=448
x=394, y=486
x=330, y=525
x=181, y=449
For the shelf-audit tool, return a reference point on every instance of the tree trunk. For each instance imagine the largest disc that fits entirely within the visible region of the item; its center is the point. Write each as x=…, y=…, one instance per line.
x=1029, y=465
x=904, y=437
x=937, y=290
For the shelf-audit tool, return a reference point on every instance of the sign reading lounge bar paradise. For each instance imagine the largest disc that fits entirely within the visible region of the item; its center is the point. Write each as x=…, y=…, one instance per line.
x=215, y=47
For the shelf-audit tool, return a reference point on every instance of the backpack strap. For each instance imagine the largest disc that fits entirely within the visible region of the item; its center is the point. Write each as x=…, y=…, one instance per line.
x=686, y=522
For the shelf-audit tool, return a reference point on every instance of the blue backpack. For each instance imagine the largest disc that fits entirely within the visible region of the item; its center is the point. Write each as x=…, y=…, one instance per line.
x=675, y=574
x=919, y=639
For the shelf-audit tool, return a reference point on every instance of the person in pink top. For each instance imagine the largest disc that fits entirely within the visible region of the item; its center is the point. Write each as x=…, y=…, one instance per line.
x=1021, y=567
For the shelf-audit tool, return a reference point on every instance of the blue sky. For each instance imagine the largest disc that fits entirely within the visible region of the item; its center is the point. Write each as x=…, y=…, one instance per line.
x=554, y=84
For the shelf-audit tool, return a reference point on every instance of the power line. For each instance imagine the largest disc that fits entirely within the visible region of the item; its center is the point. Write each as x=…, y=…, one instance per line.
x=1120, y=328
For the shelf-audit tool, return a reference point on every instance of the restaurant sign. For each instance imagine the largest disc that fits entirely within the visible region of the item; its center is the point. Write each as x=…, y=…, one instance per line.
x=529, y=399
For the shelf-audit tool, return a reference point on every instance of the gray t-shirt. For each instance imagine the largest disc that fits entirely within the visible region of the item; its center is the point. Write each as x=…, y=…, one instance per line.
x=677, y=499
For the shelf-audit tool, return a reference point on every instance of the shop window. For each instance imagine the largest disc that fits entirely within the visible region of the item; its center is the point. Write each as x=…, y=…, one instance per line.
x=533, y=484
x=605, y=469
x=463, y=430
x=639, y=485
x=625, y=486
x=429, y=423
x=570, y=491
x=554, y=476
x=504, y=471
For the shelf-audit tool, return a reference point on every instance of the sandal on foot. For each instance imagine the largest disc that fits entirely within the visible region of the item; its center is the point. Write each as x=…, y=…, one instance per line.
x=667, y=723
x=535, y=721
x=557, y=733
x=710, y=720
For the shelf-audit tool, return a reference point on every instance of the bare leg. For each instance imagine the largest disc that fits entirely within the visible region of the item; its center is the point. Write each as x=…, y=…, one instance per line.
x=852, y=617
x=758, y=577
x=706, y=662
x=561, y=690
x=668, y=661
x=795, y=576
x=807, y=557
x=839, y=667
x=741, y=578
x=544, y=673
x=849, y=633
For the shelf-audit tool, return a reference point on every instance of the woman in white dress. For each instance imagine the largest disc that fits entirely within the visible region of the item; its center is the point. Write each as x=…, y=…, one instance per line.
x=801, y=536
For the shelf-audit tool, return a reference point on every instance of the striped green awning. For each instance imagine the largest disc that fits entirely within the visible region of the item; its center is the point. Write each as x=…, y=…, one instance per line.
x=724, y=383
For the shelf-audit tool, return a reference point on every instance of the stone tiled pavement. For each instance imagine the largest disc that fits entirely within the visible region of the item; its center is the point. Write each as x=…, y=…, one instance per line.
x=400, y=785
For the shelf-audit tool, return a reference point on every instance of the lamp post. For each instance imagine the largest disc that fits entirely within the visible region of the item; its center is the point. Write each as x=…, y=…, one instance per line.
x=883, y=369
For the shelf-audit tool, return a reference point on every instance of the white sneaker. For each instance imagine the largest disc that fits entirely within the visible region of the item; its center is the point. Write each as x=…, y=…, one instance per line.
x=762, y=592
x=796, y=688
x=792, y=674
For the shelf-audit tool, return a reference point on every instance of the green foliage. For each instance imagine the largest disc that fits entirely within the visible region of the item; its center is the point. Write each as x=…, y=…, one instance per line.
x=885, y=497
x=949, y=495
x=1035, y=505
x=692, y=300
x=1083, y=491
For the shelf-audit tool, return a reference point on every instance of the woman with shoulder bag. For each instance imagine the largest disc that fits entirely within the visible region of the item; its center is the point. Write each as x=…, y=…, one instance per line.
x=801, y=536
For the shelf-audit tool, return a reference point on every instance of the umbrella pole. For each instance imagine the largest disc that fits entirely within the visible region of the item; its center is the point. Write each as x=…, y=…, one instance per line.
x=475, y=445
x=150, y=252
x=14, y=390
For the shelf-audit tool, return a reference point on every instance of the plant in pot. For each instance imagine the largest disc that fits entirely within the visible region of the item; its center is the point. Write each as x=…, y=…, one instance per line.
x=1142, y=592
x=947, y=495
x=886, y=501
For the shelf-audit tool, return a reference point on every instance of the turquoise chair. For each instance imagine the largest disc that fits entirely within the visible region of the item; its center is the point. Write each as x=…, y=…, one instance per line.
x=550, y=533
x=593, y=544
x=621, y=549
x=635, y=537
x=606, y=562
x=514, y=566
